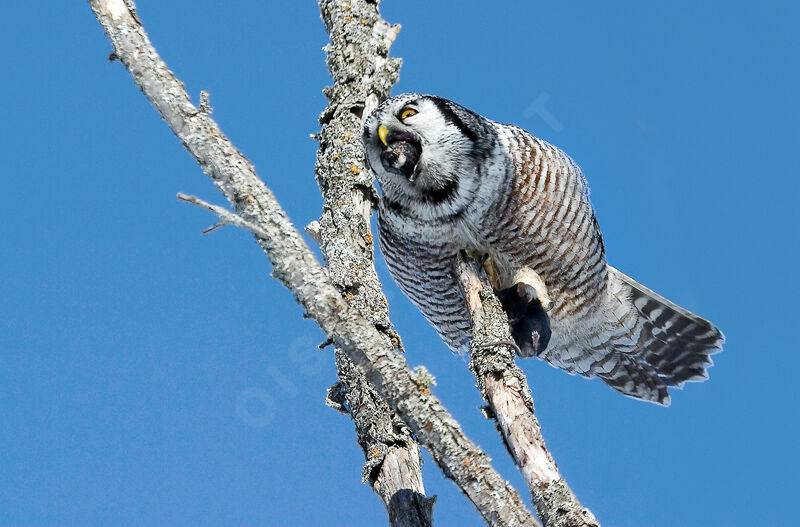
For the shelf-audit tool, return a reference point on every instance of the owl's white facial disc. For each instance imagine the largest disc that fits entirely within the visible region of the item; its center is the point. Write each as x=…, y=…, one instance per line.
x=427, y=154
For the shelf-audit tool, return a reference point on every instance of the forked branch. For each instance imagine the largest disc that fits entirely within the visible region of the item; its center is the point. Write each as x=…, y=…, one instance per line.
x=295, y=266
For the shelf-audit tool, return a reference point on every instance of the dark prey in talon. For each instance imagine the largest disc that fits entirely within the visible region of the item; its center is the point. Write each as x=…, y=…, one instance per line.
x=529, y=323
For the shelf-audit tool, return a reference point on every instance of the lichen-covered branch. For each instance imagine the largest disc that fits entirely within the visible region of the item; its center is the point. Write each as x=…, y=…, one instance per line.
x=295, y=266
x=505, y=388
x=358, y=62
x=393, y=463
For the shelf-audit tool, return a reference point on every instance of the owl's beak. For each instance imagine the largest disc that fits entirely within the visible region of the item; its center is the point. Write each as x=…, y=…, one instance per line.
x=383, y=133
x=401, y=153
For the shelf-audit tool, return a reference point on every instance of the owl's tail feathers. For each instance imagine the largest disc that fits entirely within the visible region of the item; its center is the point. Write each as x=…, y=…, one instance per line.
x=632, y=376
x=662, y=344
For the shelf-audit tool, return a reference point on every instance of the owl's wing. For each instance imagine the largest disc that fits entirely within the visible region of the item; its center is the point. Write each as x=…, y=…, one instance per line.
x=426, y=274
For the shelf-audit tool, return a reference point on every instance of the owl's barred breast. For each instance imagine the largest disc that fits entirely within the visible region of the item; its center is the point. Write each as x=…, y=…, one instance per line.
x=545, y=221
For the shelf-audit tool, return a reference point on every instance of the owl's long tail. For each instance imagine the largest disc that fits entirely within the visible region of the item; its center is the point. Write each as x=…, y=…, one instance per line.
x=659, y=345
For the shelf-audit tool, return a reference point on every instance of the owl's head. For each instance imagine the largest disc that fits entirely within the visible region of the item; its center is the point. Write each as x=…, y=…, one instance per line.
x=428, y=153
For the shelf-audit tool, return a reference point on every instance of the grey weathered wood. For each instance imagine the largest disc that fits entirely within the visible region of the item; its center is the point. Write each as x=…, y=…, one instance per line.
x=295, y=266
x=505, y=388
x=394, y=465
x=357, y=59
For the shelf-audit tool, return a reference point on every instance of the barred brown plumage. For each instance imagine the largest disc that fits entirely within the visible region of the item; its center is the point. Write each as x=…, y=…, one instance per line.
x=452, y=180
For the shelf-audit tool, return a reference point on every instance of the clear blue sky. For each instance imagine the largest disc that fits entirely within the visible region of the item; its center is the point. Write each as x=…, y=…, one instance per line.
x=153, y=376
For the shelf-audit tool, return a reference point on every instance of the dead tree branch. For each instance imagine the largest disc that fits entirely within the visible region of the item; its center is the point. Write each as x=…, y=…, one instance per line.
x=505, y=388
x=295, y=266
x=357, y=59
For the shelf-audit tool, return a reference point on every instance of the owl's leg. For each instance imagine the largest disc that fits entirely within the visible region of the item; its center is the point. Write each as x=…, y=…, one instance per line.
x=534, y=286
x=502, y=278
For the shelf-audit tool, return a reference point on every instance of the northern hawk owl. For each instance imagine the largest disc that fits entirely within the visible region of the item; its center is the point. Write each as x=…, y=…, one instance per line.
x=452, y=180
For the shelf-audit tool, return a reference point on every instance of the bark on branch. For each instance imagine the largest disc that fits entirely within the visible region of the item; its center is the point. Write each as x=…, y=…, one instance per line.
x=295, y=266
x=357, y=59
x=505, y=388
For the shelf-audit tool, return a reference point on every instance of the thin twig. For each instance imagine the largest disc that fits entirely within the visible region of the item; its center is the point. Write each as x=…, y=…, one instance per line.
x=226, y=217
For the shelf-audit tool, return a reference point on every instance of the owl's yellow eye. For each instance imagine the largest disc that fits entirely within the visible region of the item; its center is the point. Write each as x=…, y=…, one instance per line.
x=408, y=112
